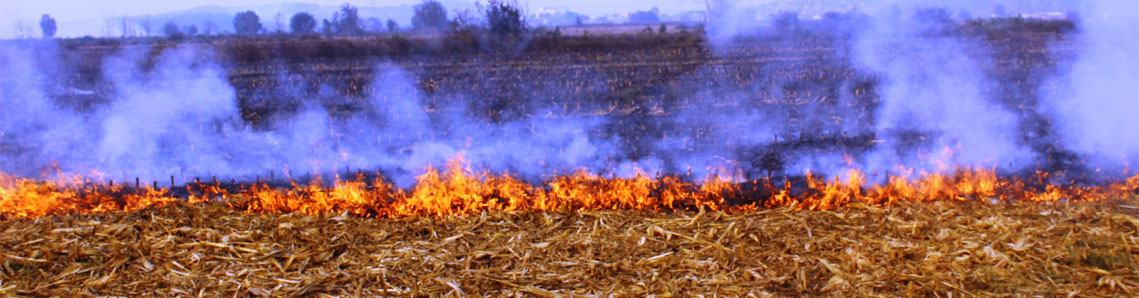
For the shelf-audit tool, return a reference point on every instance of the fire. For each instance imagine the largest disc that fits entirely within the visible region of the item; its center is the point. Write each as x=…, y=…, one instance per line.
x=457, y=190
x=584, y=191
x=351, y=196
x=28, y=198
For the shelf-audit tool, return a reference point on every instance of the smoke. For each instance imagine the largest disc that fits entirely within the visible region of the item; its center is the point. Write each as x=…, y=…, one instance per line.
x=33, y=130
x=173, y=119
x=180, y=117
x=871, y=92
x=1096, y=104
x=941, y=98
x=934, y=112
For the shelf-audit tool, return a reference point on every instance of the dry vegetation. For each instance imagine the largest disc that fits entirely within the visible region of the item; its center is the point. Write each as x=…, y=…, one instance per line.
x=936, y=239
x=927, y=249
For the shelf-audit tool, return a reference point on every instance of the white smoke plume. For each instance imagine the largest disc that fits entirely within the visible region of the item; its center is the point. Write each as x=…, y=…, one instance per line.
x=895, y=92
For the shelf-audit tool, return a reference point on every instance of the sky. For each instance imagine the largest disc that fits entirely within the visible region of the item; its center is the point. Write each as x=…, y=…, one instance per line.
x=28, y=13
x=82, y=9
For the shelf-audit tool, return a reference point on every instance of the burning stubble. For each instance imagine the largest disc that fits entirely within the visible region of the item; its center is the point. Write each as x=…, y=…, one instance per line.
x=902, y=95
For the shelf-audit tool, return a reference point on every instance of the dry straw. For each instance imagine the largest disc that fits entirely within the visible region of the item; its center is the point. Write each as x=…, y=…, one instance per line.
x=923, y=249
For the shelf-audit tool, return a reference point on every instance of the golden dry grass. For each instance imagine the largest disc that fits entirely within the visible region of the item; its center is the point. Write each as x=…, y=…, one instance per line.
x=909, y=249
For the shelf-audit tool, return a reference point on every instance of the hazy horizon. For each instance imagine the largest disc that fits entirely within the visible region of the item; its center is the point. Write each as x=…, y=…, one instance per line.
x=87, y=14
x=77, y=18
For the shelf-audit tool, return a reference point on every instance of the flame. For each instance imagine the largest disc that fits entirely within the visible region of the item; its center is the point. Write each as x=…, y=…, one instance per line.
x=352, y=197
x=28, y=198
x=457, y=190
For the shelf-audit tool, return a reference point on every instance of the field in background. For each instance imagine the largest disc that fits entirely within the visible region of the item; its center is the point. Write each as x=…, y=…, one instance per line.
x=820, y=100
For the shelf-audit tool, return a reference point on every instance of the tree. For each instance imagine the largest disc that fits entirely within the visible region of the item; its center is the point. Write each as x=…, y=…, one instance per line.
x=641, y=17
x=47, y=24
x=375, y=25
x=146, y=25
x=786, y=21
x=347, y=21
x=211, y=28
x=463, y=21
x=504, y=18
x=193, y=30
x=302, y=23
x=128, y=30
x=326, y=27
x=246, y=23
x=392, y=25
x=430, y=15
x=280, y=25
x=171, y=31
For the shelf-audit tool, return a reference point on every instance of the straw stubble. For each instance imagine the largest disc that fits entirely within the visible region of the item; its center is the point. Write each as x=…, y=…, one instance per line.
x=909, y=249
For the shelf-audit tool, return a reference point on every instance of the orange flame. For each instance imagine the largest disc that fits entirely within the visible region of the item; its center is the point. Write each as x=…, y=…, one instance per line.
x=28, y=198
x=456, y=190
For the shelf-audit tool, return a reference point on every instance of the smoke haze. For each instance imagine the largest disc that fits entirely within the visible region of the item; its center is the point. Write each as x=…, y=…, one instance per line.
x=897, y=93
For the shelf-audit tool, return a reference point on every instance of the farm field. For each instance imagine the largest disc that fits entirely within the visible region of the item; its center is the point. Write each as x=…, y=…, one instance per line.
x=799, y=96
x=581, y=165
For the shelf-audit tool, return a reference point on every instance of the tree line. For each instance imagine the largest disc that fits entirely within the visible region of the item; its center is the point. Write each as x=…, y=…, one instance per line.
x=505, y=18
x=500, y=16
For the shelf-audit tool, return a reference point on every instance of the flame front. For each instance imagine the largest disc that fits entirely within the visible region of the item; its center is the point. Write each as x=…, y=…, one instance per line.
x=457, y=190
x=21, y=197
